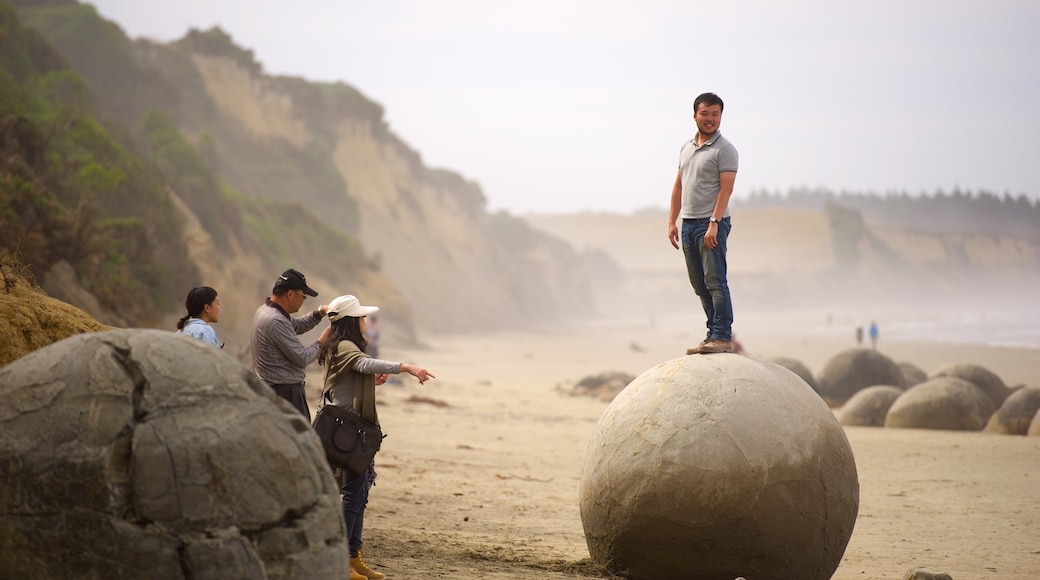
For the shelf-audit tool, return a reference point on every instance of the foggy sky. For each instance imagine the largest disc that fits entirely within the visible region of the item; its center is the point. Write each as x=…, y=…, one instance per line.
x=558, y=106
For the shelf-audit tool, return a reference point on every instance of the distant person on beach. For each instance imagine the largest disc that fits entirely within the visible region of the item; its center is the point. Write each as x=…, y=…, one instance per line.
x=351, y=376
x=700, y=196
x=203, y=307
x=279, y=358
x=859, y=334
x=372, y=336
x=873, y=334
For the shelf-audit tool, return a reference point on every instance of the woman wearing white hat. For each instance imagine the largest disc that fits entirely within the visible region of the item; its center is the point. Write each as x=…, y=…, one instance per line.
x=351, y=377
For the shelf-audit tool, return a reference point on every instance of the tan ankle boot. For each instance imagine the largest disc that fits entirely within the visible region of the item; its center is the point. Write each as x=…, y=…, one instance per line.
x=358, y=565
x=355, y=576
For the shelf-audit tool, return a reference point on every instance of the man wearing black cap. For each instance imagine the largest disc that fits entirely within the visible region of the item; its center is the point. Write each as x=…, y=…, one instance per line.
x=279, y=358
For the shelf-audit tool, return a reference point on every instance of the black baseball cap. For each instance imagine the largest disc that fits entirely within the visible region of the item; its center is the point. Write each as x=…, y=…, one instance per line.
x=294, y=280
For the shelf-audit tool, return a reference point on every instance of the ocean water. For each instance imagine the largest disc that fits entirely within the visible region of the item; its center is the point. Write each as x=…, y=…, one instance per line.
x=991, y=328
x=1005, y=328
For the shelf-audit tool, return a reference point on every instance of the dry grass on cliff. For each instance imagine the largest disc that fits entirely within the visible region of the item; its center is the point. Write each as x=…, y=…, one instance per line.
x=29, y=318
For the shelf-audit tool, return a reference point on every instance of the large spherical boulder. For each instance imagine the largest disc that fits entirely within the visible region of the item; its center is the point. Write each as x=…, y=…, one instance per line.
x=941, y=403
x=797, y=367
x=977, y=375
x=128, y=451
x=1016, y=413
x=710, y=467
x=868, y=407
x=855, y=369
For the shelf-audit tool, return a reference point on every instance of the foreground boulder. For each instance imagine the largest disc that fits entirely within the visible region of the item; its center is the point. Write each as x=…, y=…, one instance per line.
x=868, y=407
x=717, y=466
x=142, y=453
x=941, y=403
x=849, y=371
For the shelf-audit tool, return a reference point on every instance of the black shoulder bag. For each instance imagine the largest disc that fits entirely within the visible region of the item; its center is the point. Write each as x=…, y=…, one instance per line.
x=350, y=441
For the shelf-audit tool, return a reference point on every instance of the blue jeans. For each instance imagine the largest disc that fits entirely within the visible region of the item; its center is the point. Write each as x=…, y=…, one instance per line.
x=355, y=498
x=707, y=271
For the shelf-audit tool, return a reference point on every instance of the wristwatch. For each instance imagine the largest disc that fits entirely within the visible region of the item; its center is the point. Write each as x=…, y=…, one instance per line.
x=712, y=220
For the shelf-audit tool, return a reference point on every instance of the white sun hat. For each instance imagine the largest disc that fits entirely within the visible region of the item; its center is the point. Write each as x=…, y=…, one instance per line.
x=348, y=305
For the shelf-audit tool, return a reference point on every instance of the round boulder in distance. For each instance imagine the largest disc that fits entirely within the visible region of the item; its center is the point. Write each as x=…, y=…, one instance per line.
x=142, y=450
x=914, y=374
x=924, y=573
x=1034, y=426
x=868, y=407
x=978, y=375
x=798, y=368
x=709, y=467
x=1016, y=413
x=849, y=371
x=941, y=403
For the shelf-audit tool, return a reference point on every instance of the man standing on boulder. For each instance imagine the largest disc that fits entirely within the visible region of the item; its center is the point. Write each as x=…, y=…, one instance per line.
x=279, y=358
x=700, y=196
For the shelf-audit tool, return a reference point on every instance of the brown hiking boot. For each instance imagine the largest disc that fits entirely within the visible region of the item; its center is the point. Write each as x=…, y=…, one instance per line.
x=697, y=349
x=358, y=565
x=714, y=346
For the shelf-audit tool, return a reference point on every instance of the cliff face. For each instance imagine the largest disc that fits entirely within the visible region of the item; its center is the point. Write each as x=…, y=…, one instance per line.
x=261, y=173
x=428, y=230
x=791, y=257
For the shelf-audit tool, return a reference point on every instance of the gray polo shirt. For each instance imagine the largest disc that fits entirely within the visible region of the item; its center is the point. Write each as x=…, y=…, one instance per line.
x=700, y=168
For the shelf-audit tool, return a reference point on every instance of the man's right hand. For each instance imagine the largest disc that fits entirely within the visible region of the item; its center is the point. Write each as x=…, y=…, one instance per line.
x=673, y=235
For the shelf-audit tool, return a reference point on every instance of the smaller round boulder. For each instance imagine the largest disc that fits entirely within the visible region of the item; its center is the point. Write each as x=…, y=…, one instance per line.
x=923, y=573
x=941, y=403
x=1034, y=426
x=913, y=373
x=798, y=368
x=868, y=407
x=849, y=371
x=1017, y=411
x=978, y=375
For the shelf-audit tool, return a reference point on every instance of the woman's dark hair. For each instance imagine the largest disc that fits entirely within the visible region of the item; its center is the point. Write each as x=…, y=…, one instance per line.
x=196, y=302
x=346, y=328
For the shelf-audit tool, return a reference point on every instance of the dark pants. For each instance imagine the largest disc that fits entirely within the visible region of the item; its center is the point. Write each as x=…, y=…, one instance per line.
x=707, y=270
x=296, y=395
x=355, y=498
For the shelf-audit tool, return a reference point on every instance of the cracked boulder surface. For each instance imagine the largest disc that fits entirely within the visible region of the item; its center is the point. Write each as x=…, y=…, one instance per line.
x=710, y=467
x=142, y=453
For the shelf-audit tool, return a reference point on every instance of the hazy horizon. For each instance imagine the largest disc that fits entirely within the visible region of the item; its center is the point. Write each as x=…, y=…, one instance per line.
x=582, y=106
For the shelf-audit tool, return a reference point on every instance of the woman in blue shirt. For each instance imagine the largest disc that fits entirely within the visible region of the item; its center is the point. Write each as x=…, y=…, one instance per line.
x=203, y=309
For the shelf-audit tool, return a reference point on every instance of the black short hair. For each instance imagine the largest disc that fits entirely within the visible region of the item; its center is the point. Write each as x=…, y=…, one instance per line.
x=708, y=99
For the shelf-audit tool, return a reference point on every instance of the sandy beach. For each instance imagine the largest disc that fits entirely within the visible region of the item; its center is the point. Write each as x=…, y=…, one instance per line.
x=478, y=477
